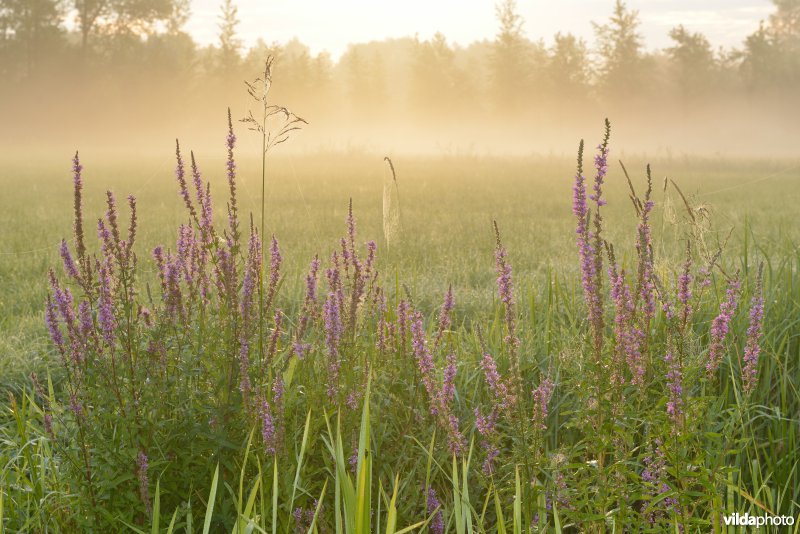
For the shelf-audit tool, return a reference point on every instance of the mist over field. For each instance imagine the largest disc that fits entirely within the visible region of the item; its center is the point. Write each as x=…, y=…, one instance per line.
x=131, y=80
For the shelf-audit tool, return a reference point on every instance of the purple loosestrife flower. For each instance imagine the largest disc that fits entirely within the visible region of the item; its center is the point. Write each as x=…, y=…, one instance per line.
x=625, y=342
x=455, y=441
x=85, y=318
x=486, y=425
x=487, y=428
x=144, y=481
x=76, y=407
x=233, y=221
x=331, y=313
x=601, y=166
x=251, y=273
x=106, y=242
x=444, y=316
x=301, y=349
x=80, y=246
x=492, y=452
x=589, y=245
x=158, y=256
x=654, y=476
x=113, y=221
x=685, y=288
x=333, y=275
x=268, y=428
x=204, y=203
x=352, y=400
x=69, y=264
x=424, y=360
x=187, y=255
x=644, y=250
x=274, y=337
x=541, y=399
x=147, y=316
x=180, y=175
x=752, y=348
x=448, y=391
x=432, y=504
x=131, y=231
x=173, y=296
x=633, y=336
x=51, y=319
x=48, y=425
x=674, y=390
x=403, y=317
x=302, y=519
x=371, y=248
x=721, y=325
x=353, y=460
x=274, y=271
x=579, y=207
x=439, y=395
x=596, y=306
x=225, y=276
x=351, y=231
x=105, y=313
x=503, y=398
x=62, y=297
x=311, y=280
x=309, y=309
x=345, y=256
x=562, y=498
x=63, y=300
x=505, y=289
x=445, y=396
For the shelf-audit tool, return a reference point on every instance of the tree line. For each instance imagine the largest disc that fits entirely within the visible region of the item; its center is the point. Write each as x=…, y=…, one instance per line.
x=97, y=52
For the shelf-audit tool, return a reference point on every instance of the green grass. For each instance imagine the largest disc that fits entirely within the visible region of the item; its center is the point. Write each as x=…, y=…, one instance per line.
x=447, y=208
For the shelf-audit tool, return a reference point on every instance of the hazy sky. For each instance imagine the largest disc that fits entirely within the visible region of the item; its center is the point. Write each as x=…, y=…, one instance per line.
x=331, y=25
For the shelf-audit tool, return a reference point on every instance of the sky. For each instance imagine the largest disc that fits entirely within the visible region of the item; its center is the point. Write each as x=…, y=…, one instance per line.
x=330, y=25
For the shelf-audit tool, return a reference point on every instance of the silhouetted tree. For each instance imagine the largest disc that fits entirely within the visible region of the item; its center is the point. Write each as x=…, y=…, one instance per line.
x=695, y=67
x=181, y=11
x=28, y=28
x=434, y=76
x=510, y=65
x=772, y=53
x=89, y=12
x=619, y=45
x=568, y=67
x=229, y=42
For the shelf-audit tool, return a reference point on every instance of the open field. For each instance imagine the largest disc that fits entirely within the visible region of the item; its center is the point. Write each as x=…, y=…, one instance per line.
x=447, y=206
x=589, y=466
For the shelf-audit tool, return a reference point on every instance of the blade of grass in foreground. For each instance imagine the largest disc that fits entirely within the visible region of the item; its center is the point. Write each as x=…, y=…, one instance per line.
x=212, y=496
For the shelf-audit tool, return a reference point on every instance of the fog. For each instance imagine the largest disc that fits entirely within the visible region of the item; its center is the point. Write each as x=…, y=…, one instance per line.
x=133, y=90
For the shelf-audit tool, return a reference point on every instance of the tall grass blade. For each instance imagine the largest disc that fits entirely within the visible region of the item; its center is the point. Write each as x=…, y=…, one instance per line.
x=212, y=496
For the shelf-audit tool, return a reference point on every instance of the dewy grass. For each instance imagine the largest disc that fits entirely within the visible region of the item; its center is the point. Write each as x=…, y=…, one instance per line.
x=639, y=397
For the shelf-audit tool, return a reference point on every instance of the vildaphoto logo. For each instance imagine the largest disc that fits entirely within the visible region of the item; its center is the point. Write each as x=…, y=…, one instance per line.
x=747, y=520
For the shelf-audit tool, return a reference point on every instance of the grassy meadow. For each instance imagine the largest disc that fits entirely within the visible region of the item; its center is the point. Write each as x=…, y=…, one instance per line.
x=447, y=203
x=592, y=457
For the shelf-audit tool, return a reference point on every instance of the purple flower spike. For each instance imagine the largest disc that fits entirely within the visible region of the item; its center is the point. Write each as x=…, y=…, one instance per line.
x=674, y=390
x=752, y=347
x=78, y=206
x=144, y=481
x=432, y=503
x=721, y=325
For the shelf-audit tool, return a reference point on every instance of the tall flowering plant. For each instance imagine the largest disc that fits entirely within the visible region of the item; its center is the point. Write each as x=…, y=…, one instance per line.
x=146, y=366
